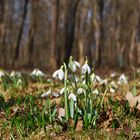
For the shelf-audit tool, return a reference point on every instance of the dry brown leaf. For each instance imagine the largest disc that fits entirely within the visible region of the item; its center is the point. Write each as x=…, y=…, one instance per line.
x=61, y=113
x=133, y=100
x=79, y=125
x=127, y=130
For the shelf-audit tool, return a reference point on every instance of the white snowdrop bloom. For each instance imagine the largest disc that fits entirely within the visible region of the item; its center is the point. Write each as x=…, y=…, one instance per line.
x=49, y=80
x=55, y=94
x=46, y=93
x=13, y=73
x=86, y=68
x=73, y=65
x=84, y=82
x=98, y=78
x=139, y=82
x=112, y=90
x=122, y=80
x=96, y=91
x=62, y=90
x=2, y=74
x=113, y=74
x=92, y=76
x=72, y=96
x=19, y=82
x=58, y=74
x=76, y=79
x=103, y=81
x=138, y=70
x=37, y=72
x=80, y=90
x=113, y=84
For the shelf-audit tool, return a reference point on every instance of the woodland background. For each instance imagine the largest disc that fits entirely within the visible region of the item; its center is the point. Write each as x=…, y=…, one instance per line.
x=44, y=33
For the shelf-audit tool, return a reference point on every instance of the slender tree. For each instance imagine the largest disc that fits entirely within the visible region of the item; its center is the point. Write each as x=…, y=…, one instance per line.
x=17, y=48
x=70, y=27
x=54, y=26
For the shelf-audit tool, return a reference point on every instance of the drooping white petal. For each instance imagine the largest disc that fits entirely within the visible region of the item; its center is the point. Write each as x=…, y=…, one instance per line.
x=37, y=72
x=96, y=91
x=55, y=73
x=13, y=73
x=122, y=80
x=72, y=96
x=98, y=78
x=113, y=84
x=62, y=90
x=86, y=68
x=92, y=77
x=60, y=74
x=112, y=90
x=55, y=94
x=80, y=90
x=46, y=93
x=113, y=74
x=77, y=63
x=73, y=67
x=2, y=74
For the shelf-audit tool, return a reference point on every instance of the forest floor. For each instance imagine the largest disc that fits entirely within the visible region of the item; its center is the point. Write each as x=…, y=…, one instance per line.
x=33, y=107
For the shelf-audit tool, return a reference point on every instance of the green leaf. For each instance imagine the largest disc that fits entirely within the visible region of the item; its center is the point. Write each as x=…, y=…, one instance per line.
x=72, y=108
x=134, y=91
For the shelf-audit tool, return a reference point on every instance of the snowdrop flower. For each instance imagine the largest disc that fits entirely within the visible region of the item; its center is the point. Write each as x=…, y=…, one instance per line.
x=58, y=74
x=98, y=78
x=84, y=82
x=112, y=90
x=14, y=73
x=138, y=70
x=105, y=81
x=73, y=64
x=76, y=79
x=37, y=72
x=86, y=68
x=49, y=80
x=72, y=96
x=55, y=94
x=62, y=90
x=19, y=82
x=122, y=80
x=96, y=91
x=92, y=76
x=2, y=74
x=46, y=93
x=113, y=74
x=113, y=84
x=80, y=90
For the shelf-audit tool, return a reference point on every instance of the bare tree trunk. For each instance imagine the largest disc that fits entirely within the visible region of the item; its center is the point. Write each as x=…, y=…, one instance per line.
x=54, y=25
x=101, y=43
x=70, y=27
x=2, y=12
x=82, y=26
x=132, y=48
x=17, y=48
x=32, y=31
x=97, y=31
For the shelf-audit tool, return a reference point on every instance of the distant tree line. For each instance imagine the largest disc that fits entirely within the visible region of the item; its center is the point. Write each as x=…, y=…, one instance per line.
x=44, y=33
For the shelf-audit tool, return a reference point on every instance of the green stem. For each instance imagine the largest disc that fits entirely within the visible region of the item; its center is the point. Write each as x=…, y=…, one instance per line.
x=74, y=80
x=103, y=97
x=65, y=93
